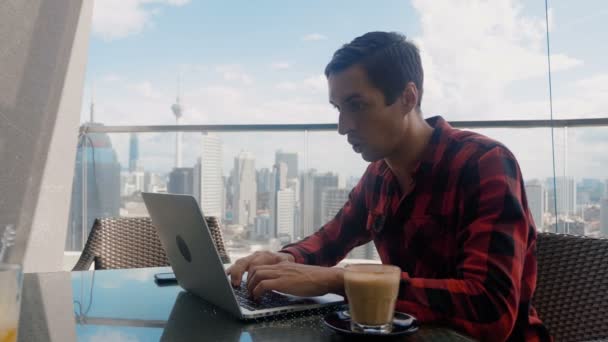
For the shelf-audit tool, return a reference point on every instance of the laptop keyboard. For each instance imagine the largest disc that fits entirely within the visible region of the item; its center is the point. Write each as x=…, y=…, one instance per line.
x=268, y=301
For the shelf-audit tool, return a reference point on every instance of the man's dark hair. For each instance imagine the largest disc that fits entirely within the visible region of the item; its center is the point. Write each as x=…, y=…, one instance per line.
x=388, y=58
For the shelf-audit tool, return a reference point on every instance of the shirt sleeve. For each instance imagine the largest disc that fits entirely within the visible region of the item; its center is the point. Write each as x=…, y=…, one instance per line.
x=483, y=299
x=336, y=238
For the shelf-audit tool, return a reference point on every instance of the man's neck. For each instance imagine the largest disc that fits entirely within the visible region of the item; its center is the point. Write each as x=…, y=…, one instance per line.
x=408, y=154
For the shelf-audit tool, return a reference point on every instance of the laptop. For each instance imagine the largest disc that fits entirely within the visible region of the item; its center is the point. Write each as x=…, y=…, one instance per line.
x=198, y=268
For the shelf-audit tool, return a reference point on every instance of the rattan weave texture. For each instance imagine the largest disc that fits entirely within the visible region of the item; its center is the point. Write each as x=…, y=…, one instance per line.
x=132, y=242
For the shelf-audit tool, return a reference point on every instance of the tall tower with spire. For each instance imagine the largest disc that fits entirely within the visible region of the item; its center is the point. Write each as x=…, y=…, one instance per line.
x=178, y=111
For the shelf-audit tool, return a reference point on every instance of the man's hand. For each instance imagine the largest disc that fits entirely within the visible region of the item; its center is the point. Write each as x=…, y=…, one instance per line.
x=256, y=259
x=295, y=279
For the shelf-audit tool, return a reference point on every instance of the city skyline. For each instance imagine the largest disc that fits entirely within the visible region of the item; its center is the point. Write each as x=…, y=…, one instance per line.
x=271, y=206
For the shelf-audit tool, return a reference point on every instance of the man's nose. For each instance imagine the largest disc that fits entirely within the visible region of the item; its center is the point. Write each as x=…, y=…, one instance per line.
x=345, y=124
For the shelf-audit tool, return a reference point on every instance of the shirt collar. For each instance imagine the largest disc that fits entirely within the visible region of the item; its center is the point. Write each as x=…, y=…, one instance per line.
x=436, y=146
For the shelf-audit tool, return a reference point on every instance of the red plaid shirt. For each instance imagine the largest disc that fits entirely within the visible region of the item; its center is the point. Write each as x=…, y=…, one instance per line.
x=463, y=237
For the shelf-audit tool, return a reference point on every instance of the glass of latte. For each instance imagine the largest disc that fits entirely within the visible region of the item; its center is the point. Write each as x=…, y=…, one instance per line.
x=372, y=291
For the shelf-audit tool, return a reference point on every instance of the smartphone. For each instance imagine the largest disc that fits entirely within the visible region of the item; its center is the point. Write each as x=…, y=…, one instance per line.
x=163, y=279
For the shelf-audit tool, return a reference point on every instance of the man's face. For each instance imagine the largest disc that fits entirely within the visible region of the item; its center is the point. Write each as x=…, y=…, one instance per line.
x=372, y=128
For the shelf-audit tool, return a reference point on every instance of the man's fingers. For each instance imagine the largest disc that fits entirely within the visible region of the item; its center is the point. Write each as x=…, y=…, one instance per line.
x=260, y=275
x=254, y=266
x=265, y=286
x=236, y=271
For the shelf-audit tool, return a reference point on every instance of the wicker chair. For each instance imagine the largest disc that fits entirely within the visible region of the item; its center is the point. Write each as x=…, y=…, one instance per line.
x=121, y=242
x=572, y=287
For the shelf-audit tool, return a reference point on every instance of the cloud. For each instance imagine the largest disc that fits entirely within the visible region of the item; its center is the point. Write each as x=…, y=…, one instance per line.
x=470, y=69
x=317, y=83
x=117, y=19
x=280, y=65
x=314, y=37
x=289, y=86
x=314, y=84
x=146, y=90
x=111, y=78
x=234, y=73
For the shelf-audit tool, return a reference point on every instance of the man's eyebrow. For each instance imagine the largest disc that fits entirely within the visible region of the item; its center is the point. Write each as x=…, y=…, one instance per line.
x=355, y=96
x=349, y=98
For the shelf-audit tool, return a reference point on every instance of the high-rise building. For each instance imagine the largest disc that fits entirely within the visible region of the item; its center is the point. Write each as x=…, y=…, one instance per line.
x=181, y=181
x=263, y=227
x=133, y=153
x=208, y=177
x=280, y=173
x=153, y=182
x=264, y=180
x=566, y=196
x=245, y=189
x=96, y=187
x=322, y=182
x=290, y=159
x=536, y=202
x=285, y=213
x=604, y=217
x=332, y=201
x=294, y=184
x=307, y=188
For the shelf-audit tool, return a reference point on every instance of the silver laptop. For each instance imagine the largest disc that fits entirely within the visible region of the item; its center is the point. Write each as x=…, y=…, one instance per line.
x=198, y=268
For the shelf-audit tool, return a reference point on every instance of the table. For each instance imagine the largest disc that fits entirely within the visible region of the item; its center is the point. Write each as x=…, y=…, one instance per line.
x=126, y=305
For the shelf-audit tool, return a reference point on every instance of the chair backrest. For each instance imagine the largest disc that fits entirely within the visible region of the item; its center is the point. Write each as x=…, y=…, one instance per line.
x=132, y=242
x=572, y=286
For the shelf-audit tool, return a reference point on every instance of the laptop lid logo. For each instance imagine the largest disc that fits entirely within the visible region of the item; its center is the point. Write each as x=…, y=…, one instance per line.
x=183, y=248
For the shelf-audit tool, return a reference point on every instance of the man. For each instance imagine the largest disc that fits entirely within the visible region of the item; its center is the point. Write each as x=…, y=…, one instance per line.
x=446, y=206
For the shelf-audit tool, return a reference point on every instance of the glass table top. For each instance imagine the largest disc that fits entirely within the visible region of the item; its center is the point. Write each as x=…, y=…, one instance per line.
x=127, y=305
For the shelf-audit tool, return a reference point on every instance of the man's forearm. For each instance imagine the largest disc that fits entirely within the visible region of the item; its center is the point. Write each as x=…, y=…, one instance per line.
x=336, y=284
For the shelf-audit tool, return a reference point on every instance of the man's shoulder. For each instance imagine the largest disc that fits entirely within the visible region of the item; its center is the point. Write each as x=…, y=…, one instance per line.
x=472, y=145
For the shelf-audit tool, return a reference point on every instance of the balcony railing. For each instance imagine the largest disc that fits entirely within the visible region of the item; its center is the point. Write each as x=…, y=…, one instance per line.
x=555, y=202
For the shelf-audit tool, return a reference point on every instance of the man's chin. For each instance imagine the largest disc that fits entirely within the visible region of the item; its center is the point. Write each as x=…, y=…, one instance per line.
x=370, y=157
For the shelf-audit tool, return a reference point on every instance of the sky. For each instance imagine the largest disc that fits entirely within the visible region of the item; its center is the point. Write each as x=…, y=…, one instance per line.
x=262, y=62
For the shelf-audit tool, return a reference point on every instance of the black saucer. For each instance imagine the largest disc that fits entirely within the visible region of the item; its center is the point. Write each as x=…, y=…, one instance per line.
x=403, y=324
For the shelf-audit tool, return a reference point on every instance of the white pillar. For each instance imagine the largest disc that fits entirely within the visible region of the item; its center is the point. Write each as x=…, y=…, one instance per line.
x=41, y=84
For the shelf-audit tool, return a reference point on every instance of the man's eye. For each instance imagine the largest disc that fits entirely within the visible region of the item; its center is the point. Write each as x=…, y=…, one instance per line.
x=356, y=106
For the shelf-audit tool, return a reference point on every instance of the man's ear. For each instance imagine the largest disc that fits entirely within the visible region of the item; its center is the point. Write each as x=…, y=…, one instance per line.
x=409, y=97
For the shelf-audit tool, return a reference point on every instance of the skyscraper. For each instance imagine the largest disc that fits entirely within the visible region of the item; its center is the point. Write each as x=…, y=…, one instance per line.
x=566, y=196
x=264, y=180
x=307, y=203
x=263, y=229
x=280, y=170
x=245, y=189
x=97, y=177
x=322, y=182
x=133, y=153
x=208, y=177
x=290, y=159
x=285, y=214
x=181, y=181
x=604, y=217
x=332, y=201
x=536, y=202
x=294, y=184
